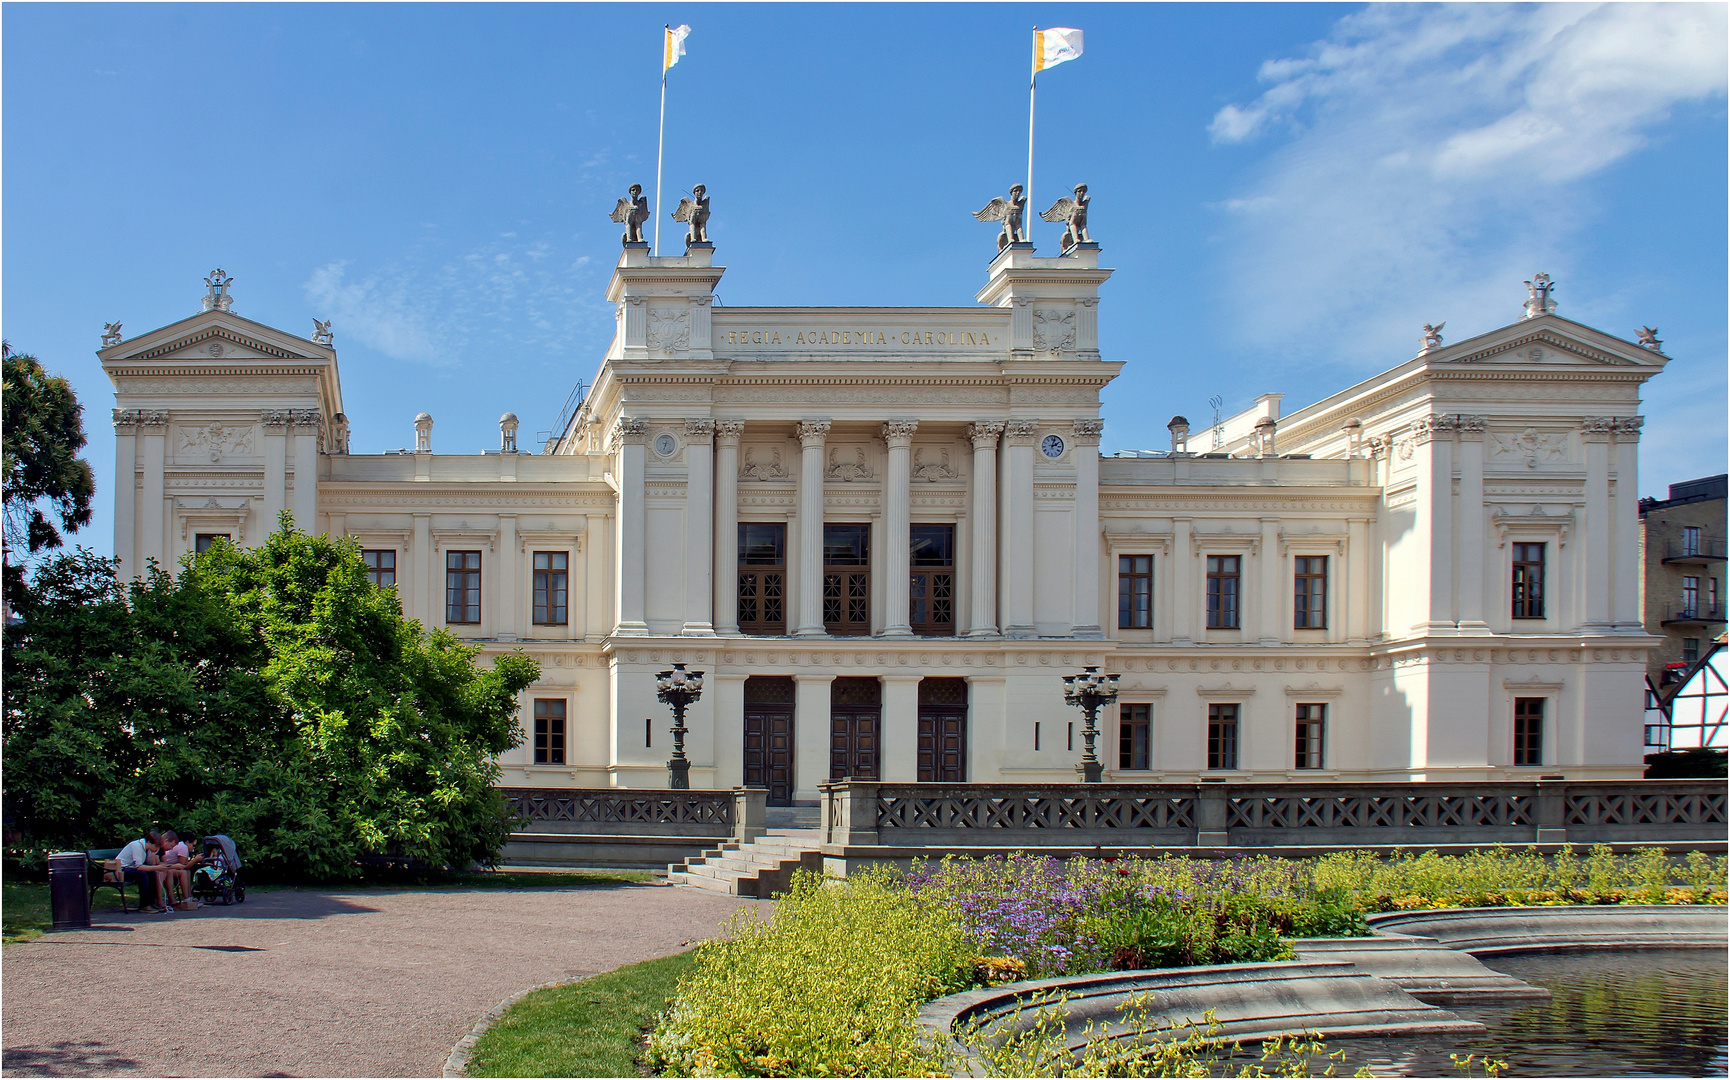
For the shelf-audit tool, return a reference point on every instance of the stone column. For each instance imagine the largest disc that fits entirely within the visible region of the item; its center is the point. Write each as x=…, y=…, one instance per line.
x=274, y=447
x=1087, y=584
x=152, y=524
x=1272, y=589
x=1357, y=594
x=126, y=490
x=305, y=426
x=984, y=435
x=699, y=527
x=1434, y=524
x=425, y=587
x=1471, y=538
x=1595, y=431
x=631, y=531
x=1184, y=599
x=898, y=749
x=506, y=615
x=897, y=526
x=727, y=434
x=1628, y=570
x=1015, y=528
x=811, y=712
x=728, y=692
x=812, y=434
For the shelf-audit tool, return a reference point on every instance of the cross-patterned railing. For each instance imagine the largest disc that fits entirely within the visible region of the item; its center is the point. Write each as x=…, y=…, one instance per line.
x=623, y=811
x=961, y=816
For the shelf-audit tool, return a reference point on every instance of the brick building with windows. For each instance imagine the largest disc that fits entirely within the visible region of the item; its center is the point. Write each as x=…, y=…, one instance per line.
x=1682, y=558
x=885, y=534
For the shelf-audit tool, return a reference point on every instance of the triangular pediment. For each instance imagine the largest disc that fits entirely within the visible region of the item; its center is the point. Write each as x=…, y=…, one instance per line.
x=1549, y=341
x=216, y=337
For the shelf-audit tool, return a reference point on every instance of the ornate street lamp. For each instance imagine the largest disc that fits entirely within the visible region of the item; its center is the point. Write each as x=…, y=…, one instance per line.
x=678, y=688
x=1087, y=692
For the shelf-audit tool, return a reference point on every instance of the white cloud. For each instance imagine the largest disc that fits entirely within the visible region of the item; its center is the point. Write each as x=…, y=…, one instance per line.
x=379, y=317
x=1431, y=161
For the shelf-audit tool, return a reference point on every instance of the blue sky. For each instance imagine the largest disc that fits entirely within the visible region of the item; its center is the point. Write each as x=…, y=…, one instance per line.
x=1288, y=192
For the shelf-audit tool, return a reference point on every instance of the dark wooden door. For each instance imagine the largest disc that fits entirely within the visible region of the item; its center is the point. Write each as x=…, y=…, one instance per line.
x=943, y=731
x=769, y=737
x=855, y=723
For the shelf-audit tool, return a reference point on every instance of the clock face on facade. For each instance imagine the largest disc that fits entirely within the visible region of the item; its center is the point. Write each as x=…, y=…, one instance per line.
x=1052, y=446
x=665, y=446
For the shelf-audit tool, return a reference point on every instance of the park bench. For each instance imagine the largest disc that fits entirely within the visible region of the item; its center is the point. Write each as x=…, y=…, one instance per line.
x=100, y=877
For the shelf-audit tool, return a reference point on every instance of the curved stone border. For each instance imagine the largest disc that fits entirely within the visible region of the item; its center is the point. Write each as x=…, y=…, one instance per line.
x=1506, y=930
x=458, y=1062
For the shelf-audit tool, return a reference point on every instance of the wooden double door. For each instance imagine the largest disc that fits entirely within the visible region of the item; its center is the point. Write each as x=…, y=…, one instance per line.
x=855, y=729
x=942, y=731
x=769, y=737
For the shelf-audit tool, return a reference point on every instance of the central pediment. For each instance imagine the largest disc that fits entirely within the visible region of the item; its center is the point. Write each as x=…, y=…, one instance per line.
x=1551, y=341
x=216, y=337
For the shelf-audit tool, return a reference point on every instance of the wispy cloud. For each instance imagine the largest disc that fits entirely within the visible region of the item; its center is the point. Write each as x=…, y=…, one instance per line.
x=1434, y=156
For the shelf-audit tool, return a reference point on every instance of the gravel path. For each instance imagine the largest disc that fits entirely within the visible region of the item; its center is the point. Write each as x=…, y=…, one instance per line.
x=319, y=983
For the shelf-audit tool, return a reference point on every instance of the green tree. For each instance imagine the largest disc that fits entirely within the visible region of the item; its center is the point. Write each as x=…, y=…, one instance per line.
x=272, y=694
x=43, y=431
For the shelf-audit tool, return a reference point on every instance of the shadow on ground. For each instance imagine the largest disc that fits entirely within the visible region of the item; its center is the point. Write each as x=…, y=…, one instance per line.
x=65, y=1059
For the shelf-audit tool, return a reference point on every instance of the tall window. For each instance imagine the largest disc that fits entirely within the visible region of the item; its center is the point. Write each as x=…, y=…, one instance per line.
x=1690, y=650
x=201, y=541
x=1135, y=592
x=1310, y=592
x=1222, y=590
x=1311, y=720
x=1691, y=595
x=1134, y=724
x=1712, y=595
x=462, y=586
x=847, y=579
x=1528, y=581
x=380, y=567
x=1691, y=540
x=931, y=599
x=1529, y=731
x=1222, y=737
x=763, y=577
x=549, y=731
x=552, y=587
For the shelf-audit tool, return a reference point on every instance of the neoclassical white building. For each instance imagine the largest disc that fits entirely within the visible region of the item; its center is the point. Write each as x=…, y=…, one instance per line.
x=885, y=534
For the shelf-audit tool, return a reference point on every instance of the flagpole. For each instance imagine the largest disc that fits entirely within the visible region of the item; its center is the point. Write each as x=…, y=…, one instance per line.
x=1027, y=217
x=661, y=142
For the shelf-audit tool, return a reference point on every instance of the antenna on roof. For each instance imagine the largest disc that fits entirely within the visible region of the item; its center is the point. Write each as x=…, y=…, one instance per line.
x=1218, y=425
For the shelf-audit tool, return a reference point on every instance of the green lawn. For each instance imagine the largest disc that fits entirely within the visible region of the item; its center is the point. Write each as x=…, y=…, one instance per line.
x=589, y=1028
x=25, y=912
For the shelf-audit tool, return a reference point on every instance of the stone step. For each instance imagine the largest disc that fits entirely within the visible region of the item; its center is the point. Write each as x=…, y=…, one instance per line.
x=724, y=886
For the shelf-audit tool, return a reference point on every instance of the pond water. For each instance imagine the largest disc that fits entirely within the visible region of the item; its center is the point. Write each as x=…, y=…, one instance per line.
x=1614, y=1012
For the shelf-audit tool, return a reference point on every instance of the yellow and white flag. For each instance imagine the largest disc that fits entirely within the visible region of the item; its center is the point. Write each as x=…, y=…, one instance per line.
x=1052, y=47
x=676, y=45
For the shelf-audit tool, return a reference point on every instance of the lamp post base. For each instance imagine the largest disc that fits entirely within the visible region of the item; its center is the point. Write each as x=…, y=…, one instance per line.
x=1092, y=772
x=679, y=774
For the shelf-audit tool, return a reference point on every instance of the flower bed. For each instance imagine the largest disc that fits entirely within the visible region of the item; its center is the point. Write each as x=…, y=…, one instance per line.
x=832, y=983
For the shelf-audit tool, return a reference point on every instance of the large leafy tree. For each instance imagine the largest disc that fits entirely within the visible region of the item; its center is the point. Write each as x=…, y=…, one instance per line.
x=274, y=694
x=43, y=433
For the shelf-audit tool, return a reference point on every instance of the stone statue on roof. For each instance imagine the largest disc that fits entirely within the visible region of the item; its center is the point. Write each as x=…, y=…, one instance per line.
x=631, y=212
x=1073, y=212
x=694, y=211
x=1010, y=211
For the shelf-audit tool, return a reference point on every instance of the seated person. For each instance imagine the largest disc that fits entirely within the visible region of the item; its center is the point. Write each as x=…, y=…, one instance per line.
x=136, y=862
x=177, y=863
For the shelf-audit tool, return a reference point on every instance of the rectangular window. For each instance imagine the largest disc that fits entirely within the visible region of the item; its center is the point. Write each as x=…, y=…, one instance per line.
x=1712, y=596
x=1310, y=592
x=1529, y=731
x=1690, y=650
x=1222, y=594
x=1529, y=581
x=1135, y=592
x=1222, y=737
x=1036, y=735
x=1691, y=540
x=1069, y=736
x=762, y=577
x=552, y=587
x=380, y=567
x=549, y=731
x=1690, y=596
x=931, y=592
x=847, y=579
x=648, y=731
x=462, y=586
x=201, y=541
x=1311, y=720
x=1134, y=722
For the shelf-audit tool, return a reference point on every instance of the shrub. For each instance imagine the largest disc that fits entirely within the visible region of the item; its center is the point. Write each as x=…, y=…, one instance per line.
x=830, y=985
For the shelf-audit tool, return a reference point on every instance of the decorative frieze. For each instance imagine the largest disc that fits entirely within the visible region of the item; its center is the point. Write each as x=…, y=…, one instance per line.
x=1532, y=446
x=847, y=465
x=669, y=329
x=762, y=463
x=216, y=439
x=934, y=468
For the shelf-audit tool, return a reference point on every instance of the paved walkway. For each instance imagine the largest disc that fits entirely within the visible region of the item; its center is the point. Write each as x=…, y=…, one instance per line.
x=319, y=983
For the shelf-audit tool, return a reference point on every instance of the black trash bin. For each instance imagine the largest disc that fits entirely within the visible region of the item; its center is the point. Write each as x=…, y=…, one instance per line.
x=69, y=889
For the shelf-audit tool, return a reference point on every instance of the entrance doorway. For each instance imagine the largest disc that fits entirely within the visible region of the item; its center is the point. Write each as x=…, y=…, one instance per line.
x=855, y=721
x=942, y=731
x=769, y=736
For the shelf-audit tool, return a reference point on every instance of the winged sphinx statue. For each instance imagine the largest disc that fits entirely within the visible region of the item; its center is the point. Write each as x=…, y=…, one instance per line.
x=1433, y=335
x=1073, y=212
x=631, y=212
x=1648, y=338
x=321, y=332
x=694, y=211
x=110, y=334
x=1011, y=212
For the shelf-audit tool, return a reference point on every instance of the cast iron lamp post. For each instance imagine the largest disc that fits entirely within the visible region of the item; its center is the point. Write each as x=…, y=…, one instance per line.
x=678, y=688
x=1087, y=692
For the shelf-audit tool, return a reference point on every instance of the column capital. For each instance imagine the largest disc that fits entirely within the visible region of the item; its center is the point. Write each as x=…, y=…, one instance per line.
x=125, y=420
x=700, y=427
x=1435, y=426
x=812, y=432
x=630, y=429
x=153, y=418
x=727, y=432
x=1597, y=429
x=1021, y=432
x=1472, y=427
x=985, y=433
x=1087, y=432
x=900, y=432
x=1627, y=428
x=274, y=419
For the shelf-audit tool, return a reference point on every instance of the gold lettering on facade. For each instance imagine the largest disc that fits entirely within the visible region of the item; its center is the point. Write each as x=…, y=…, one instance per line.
x=837, y=336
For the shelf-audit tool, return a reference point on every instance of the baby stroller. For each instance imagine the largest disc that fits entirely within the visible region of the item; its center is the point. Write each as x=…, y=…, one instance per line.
x=219, y=879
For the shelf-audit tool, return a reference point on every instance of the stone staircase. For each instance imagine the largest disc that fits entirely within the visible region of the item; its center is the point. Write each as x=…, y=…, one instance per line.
x=762, y=867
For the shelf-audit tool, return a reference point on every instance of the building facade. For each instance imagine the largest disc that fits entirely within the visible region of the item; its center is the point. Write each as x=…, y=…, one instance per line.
x=885, y=534
x=1682, y=549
